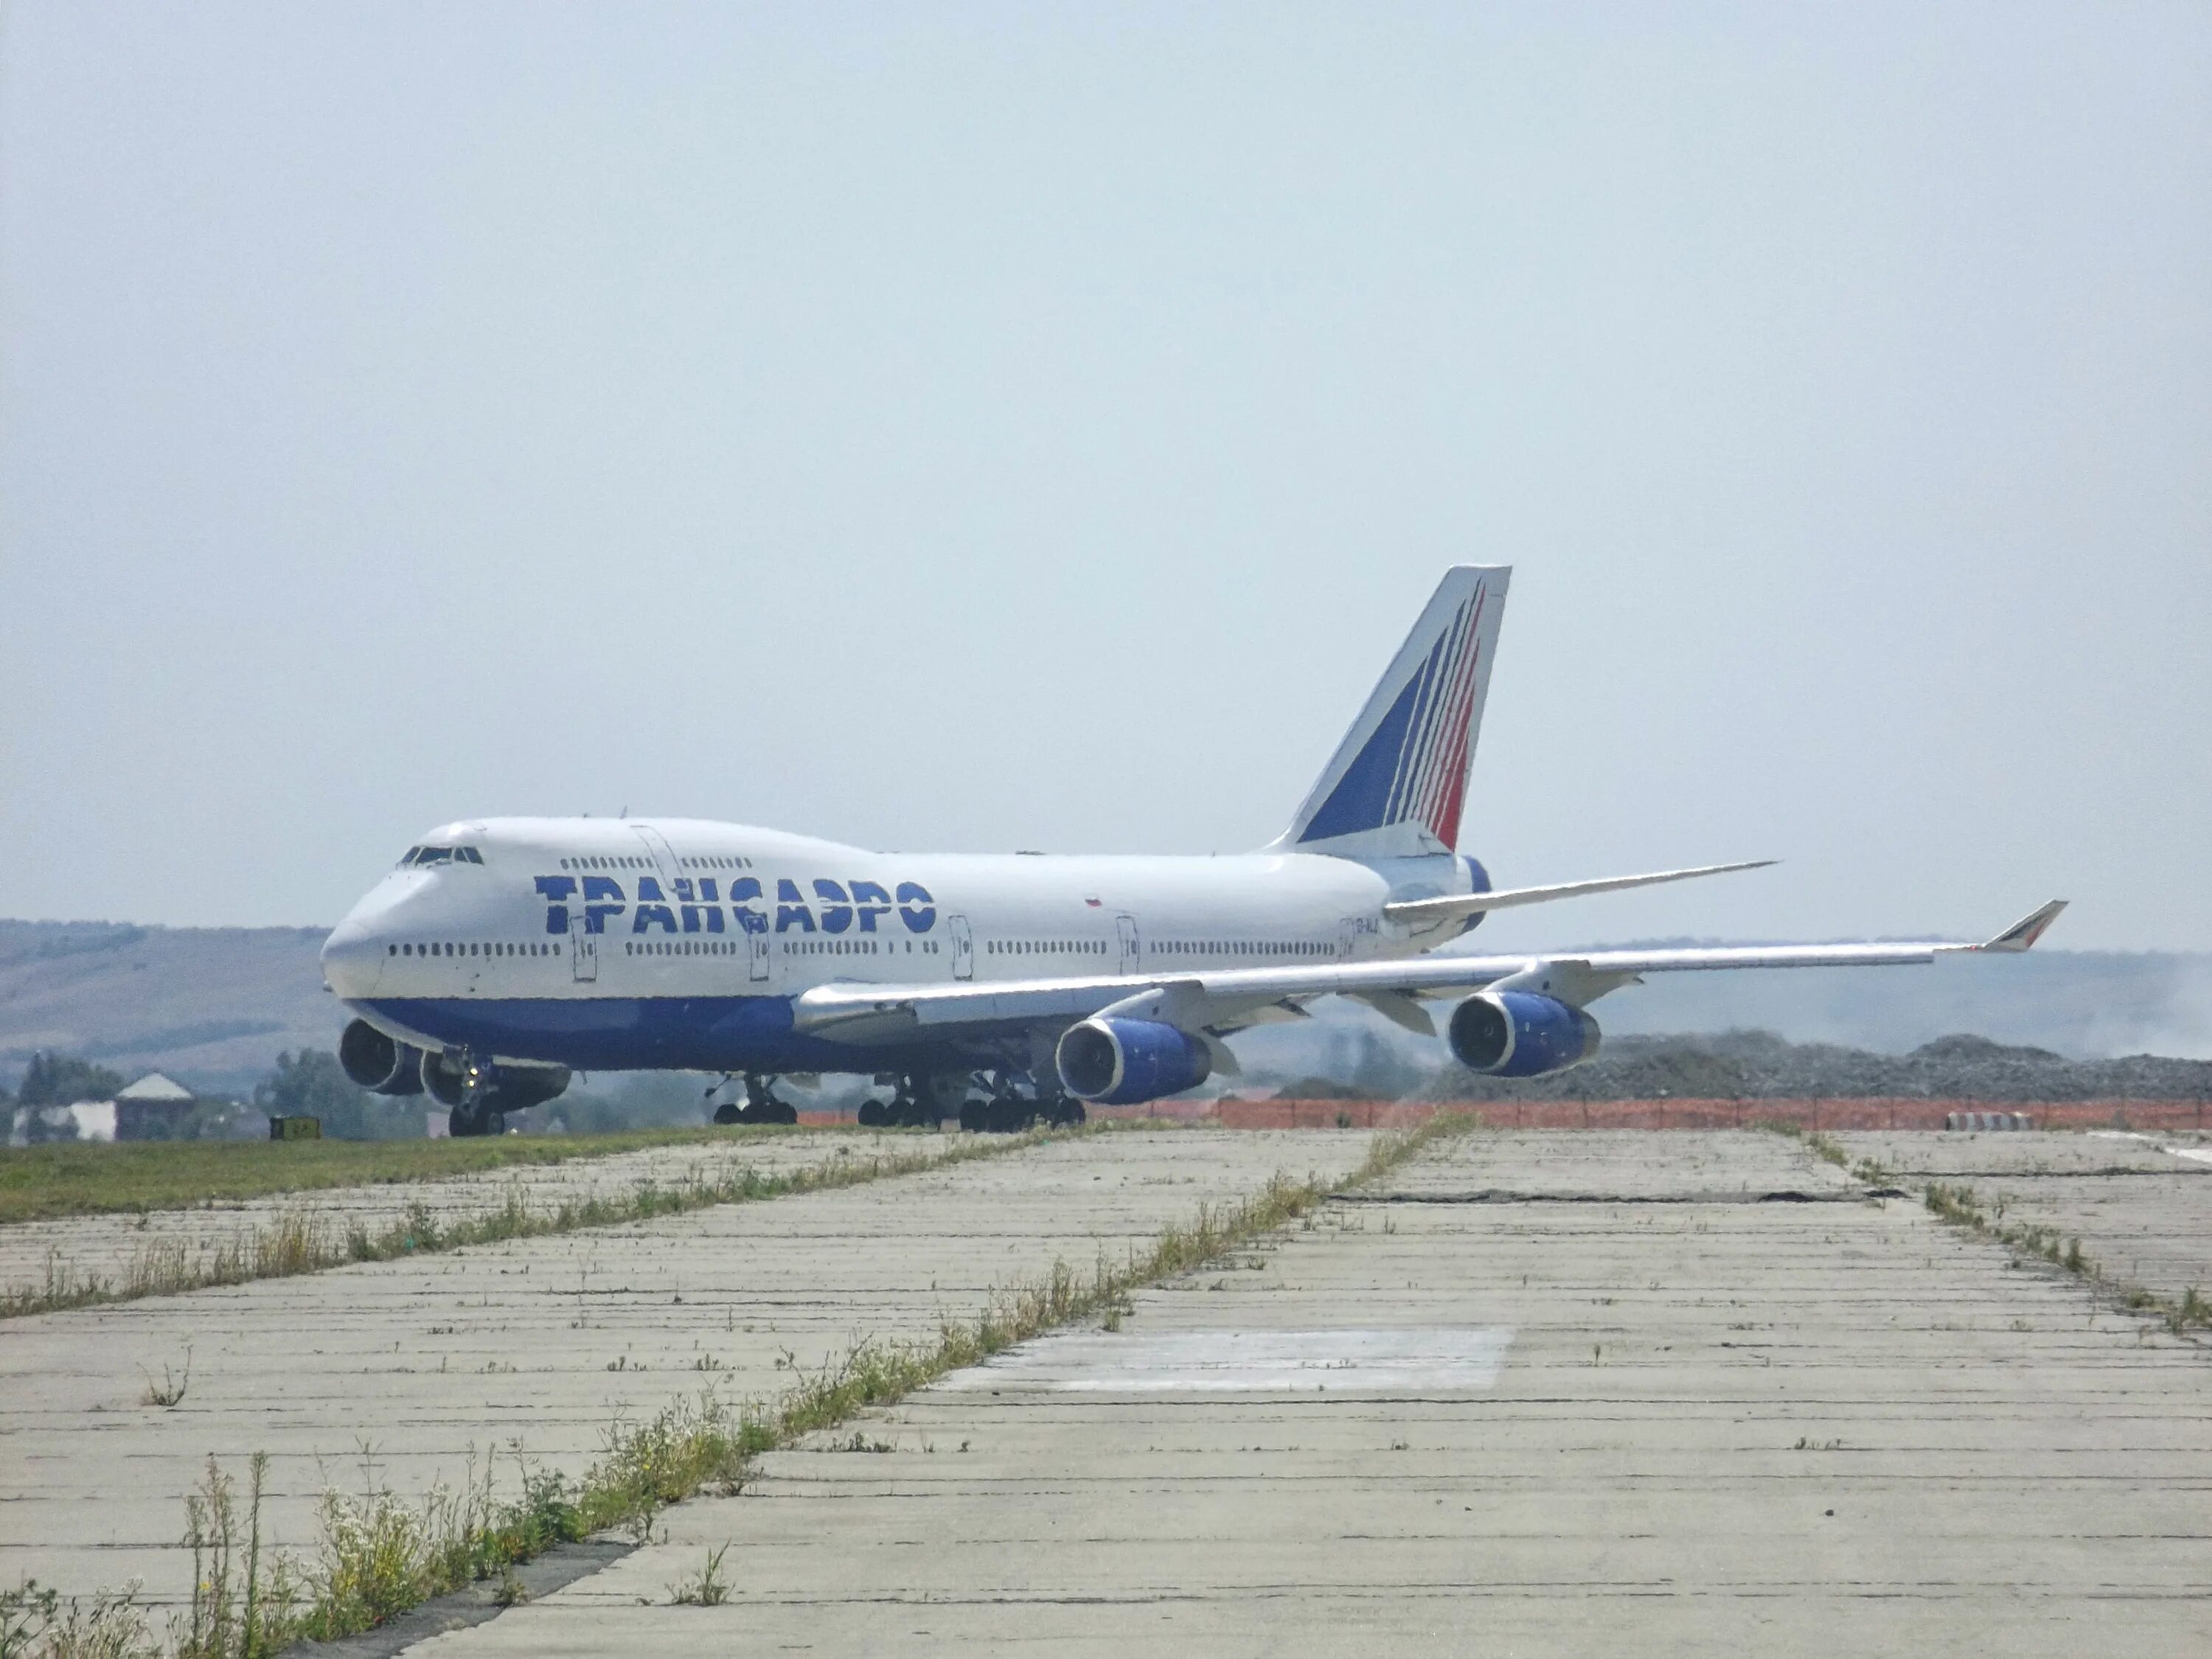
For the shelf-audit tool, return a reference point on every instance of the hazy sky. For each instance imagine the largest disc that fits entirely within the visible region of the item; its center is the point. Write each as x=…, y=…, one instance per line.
x=1034, y=427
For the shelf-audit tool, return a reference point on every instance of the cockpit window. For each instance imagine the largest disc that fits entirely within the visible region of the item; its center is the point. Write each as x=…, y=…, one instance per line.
x=420, y=856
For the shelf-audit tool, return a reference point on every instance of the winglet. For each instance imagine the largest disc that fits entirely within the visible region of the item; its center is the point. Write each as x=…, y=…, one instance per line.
x=2025, y=931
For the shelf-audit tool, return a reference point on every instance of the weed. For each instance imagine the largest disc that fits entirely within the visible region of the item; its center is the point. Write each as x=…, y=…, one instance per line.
x=511, y=1593
x=237, y=1611
x=109, y=1625
x=171, y=1389
x=26, y=1612
x=1818, y=1144
x=708, y=1590
x=300, y=1241
x=378, y=1558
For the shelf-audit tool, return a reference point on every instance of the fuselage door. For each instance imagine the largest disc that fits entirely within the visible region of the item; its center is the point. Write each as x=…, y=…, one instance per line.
x=757, y=948
x=1127, y=927
x=583, y=955
x=963, y=947
x=663, y=856
x=1347, y=938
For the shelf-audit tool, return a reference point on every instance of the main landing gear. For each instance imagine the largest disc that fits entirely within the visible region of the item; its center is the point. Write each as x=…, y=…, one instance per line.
x=919, y=1100
x=1000, y=1102
x=761, y=1105
x=1004, y=1110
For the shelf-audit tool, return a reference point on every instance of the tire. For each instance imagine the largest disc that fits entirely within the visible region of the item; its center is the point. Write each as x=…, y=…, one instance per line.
x=726, y=1114
x=872, y=1113
x=973, y=1115
x=786, y=1114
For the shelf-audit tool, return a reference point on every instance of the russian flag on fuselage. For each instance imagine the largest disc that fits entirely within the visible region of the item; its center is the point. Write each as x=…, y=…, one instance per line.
x=1405, y=761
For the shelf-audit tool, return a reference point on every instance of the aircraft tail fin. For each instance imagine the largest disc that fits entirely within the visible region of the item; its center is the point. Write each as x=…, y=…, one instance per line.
x=1397, y=783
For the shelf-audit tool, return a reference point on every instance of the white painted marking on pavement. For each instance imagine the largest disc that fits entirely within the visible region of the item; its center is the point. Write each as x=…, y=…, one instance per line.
x=2195, y=1154
x=1330, y=1362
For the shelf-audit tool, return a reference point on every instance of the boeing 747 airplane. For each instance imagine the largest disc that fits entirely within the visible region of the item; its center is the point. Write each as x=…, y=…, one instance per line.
x=503, y=953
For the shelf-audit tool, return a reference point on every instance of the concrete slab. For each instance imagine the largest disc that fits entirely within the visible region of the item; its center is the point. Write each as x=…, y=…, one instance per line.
x=1835, y=1427
x=2142, y=1206
x=104, y=1245
x=542, y=1342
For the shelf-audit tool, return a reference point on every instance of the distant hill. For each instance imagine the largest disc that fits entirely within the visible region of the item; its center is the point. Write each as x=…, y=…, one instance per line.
x=211, y=1007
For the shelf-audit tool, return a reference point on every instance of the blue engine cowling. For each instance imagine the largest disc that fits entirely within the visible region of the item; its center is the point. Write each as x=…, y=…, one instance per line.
x=377, y=1063
x=1125, y=1062
x=1517, y=1034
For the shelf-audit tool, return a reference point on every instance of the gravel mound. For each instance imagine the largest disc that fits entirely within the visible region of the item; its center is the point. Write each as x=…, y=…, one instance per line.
x=1760, y=1066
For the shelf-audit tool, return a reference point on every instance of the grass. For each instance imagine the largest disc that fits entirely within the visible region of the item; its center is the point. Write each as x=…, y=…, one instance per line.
x=708, y=1589
x=380, y=1556
x=1829, y=1150
x=298, y=1240
x=1962, y=1207
x=66, y=1178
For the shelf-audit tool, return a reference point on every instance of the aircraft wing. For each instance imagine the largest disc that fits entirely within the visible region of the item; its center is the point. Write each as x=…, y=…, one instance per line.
x=1228, y=1000
x=1456, y=906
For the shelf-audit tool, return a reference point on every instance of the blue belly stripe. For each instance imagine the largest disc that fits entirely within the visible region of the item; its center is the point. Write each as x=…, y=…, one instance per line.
x=624, y=1034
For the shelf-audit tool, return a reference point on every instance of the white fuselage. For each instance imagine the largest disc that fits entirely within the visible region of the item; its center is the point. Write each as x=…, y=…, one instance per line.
x=604, y=943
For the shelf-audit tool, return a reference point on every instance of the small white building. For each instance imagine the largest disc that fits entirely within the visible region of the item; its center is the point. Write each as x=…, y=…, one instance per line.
x=151, y=1109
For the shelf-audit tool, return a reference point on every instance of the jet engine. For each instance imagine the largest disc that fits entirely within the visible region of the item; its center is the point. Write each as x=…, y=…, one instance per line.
x=1518, y=1034
x=377, y=1063
x=501, y=1089
x=1125, y=1062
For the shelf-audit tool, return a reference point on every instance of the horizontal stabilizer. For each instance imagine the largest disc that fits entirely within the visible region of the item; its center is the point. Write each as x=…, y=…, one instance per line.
x=1451, y=908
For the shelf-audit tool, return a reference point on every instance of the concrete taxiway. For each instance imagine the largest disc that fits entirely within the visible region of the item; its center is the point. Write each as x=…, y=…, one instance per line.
x=1543, y=1393
x=1536, y=1393
x=106, y=1245
x=393, y=1371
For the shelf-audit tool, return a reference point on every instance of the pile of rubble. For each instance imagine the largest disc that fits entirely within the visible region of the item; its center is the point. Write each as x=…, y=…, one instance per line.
x=1760, y=1066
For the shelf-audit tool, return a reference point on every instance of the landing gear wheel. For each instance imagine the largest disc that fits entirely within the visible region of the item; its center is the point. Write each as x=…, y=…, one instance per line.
x=873, y=1112
x=975, y=1116
x=727, y=1112
x=761, y=1105
x=467, y=1120
x=1066, y=1112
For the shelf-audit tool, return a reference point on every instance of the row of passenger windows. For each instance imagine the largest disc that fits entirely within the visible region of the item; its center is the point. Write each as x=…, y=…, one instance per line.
x=471, y=948
x=853, y=947
x=613, y=863
x=680, y=947
x=1051, y=947
x=1185, y=947
x=441, y=855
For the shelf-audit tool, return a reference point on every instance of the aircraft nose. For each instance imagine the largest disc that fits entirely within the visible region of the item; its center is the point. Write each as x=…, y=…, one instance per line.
x=353, y=957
